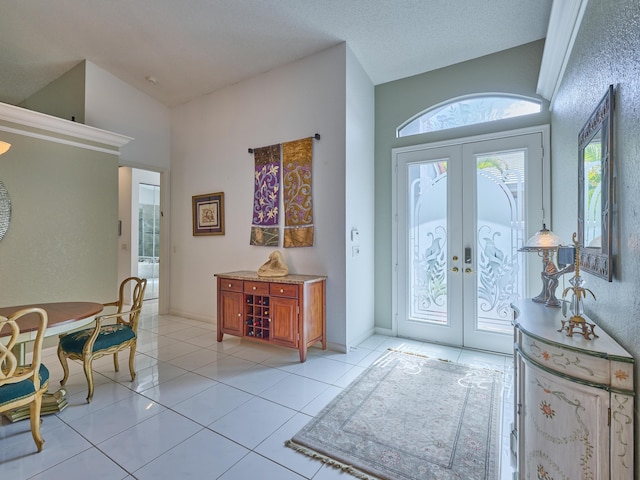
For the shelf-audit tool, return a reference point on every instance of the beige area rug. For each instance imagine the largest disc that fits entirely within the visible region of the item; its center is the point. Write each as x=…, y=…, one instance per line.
x=411, y=417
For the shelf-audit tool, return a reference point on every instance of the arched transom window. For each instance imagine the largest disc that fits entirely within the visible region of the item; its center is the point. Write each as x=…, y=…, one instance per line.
x=469, y=110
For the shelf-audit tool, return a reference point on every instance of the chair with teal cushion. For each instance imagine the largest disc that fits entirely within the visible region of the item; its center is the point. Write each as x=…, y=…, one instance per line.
x=111, y=333
x=22, y=385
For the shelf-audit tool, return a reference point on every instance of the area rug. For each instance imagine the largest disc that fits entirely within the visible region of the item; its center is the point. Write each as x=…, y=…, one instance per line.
x=411, y=417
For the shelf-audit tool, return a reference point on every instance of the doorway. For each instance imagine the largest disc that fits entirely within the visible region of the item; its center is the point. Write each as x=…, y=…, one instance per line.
x=463, y=209
x=140, y=229
x=149, y=238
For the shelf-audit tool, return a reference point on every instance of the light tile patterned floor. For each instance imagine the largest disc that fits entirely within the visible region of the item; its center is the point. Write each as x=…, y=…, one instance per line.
x=203, y=409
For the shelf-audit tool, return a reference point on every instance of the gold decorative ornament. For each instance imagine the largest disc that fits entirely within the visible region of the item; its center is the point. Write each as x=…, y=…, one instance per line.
x=577, y=321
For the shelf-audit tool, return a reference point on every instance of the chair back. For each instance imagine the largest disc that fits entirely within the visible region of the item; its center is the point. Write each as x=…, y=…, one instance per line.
x=10, y=369
x=136, y=286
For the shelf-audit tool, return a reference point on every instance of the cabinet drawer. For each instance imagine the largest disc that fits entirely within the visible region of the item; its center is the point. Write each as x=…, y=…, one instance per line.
x=230, y=285
x=595, y=370
x=256, y=288
x=283, y=290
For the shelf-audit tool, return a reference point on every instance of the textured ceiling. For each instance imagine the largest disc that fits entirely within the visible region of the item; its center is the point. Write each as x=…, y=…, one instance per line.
x=194, y=47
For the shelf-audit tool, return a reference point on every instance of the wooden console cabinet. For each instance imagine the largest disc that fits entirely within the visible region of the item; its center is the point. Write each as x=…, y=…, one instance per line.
x=289, y=311
x=574, y=401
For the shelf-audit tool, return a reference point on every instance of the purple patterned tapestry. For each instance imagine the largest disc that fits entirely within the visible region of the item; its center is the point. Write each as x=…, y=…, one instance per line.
x=266, y=196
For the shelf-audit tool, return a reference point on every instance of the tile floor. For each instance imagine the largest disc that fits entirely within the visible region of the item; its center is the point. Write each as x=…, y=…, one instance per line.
x=202, y=409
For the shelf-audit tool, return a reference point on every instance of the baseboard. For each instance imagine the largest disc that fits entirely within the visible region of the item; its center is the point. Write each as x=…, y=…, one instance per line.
x=384, y=331
x=192, y=316
x=336, y=347
x=361, y=338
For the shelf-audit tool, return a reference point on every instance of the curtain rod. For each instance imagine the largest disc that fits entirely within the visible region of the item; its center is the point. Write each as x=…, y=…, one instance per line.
x=316, y=136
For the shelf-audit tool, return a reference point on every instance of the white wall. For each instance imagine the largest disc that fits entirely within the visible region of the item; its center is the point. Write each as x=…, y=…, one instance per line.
x=210, y=138
x=359, y=202
x=116, y=106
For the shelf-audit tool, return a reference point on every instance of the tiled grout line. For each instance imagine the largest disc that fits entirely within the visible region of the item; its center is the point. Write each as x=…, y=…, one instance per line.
x=156, y=322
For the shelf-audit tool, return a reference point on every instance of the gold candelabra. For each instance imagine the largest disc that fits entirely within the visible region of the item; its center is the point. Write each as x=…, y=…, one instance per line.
x=577, y=321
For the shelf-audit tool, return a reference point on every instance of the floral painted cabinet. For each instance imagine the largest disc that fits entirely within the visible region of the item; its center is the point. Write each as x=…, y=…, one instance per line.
x=561, y=426
x=574, y=401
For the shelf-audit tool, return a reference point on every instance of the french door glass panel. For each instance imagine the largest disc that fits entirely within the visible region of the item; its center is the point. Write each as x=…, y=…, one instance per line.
x=500, y=223
x=461, y=223
x=428, y=242
x=429, y=216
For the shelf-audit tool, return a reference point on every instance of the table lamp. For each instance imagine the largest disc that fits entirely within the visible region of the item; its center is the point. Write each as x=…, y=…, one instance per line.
x=545, y=242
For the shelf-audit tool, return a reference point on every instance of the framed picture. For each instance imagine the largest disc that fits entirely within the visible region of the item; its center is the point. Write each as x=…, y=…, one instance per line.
x=208, y=214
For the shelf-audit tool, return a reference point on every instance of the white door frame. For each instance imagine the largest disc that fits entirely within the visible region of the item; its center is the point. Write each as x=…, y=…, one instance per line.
x=546, y=195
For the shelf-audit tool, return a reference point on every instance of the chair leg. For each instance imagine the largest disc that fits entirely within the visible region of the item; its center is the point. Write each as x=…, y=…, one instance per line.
x=132, y=354
x=34, y=418
x=88, y=372
x=65, y=365
x=116, y=365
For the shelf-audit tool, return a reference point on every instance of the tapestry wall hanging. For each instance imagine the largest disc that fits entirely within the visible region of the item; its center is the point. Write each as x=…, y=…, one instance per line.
x=266, y=196
x=293, y=161
x=298, y=206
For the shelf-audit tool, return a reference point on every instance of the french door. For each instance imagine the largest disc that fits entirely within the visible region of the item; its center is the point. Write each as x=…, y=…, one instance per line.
x=463, y=210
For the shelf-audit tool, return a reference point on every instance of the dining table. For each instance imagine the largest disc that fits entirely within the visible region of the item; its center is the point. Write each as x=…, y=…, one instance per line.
x=62, y=317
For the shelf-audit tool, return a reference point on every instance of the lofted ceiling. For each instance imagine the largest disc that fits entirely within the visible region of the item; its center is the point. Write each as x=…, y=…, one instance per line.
x=194, y=47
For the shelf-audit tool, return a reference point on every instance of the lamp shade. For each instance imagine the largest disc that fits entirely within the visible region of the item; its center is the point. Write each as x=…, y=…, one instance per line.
x=4, y=146
x=545, y=239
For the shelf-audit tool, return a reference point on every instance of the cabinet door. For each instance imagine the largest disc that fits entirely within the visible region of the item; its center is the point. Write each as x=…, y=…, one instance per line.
x=231, y=311
x=563, y=427
x=284, y=321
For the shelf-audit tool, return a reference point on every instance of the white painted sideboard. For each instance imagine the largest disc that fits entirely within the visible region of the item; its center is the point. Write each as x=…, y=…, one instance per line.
x=574, y=401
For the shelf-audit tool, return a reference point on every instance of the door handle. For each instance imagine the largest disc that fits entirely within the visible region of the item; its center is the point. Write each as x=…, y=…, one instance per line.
x=467, y=270
x=454, y=269
x=467, y=255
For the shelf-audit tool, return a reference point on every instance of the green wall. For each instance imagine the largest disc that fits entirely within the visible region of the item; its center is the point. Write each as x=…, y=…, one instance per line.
x=511, y=71
x=62, y=98
x=62, y=241
x=606, y=51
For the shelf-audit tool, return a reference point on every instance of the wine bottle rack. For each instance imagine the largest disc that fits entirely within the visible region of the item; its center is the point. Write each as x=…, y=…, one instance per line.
x=257, y=317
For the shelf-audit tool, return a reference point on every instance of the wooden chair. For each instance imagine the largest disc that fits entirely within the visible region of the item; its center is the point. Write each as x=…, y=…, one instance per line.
x=106, y=339
x=22, y=385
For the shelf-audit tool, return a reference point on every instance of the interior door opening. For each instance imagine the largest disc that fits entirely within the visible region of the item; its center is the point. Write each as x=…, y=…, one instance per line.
x=139, y=236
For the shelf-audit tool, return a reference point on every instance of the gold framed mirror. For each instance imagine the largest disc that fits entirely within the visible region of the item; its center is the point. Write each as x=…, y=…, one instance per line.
x=596, y=185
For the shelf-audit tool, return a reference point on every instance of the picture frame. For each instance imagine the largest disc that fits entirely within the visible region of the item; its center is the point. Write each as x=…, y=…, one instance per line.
x=208, y=214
